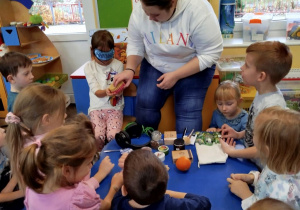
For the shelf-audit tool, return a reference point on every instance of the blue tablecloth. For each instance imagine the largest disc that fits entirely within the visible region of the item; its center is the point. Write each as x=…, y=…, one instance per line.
x=208, y=180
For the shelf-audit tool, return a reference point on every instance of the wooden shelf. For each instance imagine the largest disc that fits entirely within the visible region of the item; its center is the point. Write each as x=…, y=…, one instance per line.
x=32, y=40
x=46, y=63
x=28, y=43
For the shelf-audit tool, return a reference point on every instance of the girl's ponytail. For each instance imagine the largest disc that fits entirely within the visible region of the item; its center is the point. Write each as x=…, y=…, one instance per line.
x=29, y=169
x=15, y=135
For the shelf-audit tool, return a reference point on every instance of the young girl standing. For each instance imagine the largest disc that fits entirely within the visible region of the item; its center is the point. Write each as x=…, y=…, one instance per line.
x=277, y=138
x=37, y=109
x=105, y=114
x=228, y=99
x=55, y=174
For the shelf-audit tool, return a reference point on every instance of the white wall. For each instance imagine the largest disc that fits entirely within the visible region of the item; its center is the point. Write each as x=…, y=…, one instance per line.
x=74, y=49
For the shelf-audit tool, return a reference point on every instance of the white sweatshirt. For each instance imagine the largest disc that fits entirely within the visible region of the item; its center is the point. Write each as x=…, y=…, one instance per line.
x=99, y=78
x=192, y=31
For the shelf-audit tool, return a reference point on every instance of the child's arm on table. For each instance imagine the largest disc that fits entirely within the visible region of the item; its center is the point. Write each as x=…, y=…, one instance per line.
x=116, y=184
x=239, y=188
x=122, y=160
x=175, y=194
x=229, y=148
x=248, y=178
x=104, y=169
x=238, y=184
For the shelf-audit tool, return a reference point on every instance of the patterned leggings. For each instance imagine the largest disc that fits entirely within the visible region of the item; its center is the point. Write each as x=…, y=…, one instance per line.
x=107, y=122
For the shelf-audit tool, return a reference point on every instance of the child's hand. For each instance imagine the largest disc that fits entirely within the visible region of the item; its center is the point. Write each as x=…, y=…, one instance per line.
x=211, y=130
x=228, y=146
x=115, y=186
x=117, y=181
x=228, y=132
x=108, y=92
x=248, y=178
x=122, y=160
x=104, y=169
x=239, y=188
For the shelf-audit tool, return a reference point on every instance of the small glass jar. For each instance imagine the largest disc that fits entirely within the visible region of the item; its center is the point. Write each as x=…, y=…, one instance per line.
x=157, y=136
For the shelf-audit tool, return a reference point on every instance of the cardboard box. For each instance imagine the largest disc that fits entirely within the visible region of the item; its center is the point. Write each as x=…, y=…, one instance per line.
x=169, y=137
x=178, y=153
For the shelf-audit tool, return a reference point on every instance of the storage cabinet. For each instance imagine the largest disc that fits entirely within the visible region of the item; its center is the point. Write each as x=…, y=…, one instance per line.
x=33, y=40
x=30, y=40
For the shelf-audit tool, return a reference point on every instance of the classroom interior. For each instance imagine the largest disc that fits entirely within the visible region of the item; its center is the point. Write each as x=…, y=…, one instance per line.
x=67, y=53
x=71, y=51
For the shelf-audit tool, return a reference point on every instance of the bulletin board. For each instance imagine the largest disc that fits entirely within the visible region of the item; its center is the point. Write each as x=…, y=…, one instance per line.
x=114, y=13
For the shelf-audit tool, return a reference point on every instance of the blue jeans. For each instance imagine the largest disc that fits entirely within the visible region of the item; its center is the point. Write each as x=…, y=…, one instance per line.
x=189, y=94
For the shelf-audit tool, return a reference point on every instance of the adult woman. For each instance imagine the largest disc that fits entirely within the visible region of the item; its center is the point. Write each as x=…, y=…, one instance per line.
x=177, y=43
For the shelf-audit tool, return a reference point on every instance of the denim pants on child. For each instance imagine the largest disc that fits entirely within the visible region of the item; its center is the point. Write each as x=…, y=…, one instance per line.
x=189, y=94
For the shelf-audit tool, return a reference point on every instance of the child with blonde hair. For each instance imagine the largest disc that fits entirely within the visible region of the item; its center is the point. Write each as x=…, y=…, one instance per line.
x=266, y=63
x=38, y=109
x=270, y=204
x=228, y=99
x=277, y=139
x=106, y=107
x=55, y=169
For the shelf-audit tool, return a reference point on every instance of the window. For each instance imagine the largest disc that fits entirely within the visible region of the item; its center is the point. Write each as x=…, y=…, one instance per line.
x=62, y=16
x=276, y=7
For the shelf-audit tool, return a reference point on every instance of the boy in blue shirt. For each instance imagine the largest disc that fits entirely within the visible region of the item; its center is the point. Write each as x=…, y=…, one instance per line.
x=145, y=186
x=17, y=70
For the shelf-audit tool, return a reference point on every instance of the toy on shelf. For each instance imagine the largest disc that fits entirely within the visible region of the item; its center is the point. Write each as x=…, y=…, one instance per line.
x=53, y=80
x=3, y=48
x=36, y=20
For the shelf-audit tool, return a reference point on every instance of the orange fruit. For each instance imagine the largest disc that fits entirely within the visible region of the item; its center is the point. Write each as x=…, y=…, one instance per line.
x=183, y=163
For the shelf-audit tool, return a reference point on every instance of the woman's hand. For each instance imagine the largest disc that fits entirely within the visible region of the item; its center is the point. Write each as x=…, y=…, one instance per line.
x=125, y=76
x=167, y=81
x=239, y=188
x=248, y=178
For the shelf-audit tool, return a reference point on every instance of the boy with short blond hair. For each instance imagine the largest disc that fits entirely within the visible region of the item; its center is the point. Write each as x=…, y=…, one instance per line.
x=265, y=65
x=17, y=70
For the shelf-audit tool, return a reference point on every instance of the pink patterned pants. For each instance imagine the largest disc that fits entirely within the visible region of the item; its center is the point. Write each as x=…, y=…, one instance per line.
x=107, y=122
